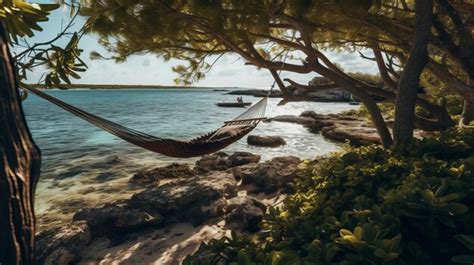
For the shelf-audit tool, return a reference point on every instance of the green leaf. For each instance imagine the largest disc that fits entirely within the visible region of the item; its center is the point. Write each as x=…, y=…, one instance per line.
x=274, y=258
x=463, y=259
x=243, y=258
x=457, y=209
x=466, y=240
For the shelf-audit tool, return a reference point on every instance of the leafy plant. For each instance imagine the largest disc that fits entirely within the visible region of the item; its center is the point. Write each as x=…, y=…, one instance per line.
x=369, y=206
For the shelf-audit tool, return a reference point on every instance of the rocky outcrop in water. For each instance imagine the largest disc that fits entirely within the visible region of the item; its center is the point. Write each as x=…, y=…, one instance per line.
x=265, y=141
x=336, y=127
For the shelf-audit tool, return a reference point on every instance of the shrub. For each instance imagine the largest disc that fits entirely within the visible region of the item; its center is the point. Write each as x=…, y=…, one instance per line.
x=369, y=206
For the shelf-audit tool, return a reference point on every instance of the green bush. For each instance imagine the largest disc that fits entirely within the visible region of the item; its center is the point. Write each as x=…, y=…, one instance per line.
x=369, y=206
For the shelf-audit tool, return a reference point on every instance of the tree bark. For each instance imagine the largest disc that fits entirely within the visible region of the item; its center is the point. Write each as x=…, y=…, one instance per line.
x=349, y=84
x=467, y=115
x=409, y=81
x=19, y=169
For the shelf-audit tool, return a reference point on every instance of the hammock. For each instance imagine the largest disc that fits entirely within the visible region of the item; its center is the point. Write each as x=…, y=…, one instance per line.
x=229, y=133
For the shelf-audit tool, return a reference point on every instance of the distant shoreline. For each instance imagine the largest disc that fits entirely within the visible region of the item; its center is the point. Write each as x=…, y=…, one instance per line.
x=123, y=86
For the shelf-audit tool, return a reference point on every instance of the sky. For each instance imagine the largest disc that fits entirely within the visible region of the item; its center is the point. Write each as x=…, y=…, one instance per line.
x=147, y=69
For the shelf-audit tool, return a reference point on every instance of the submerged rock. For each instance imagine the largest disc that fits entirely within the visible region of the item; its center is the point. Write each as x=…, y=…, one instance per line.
x=270, y=176
x=60, y=246
x=265, y=141
x=153, y=176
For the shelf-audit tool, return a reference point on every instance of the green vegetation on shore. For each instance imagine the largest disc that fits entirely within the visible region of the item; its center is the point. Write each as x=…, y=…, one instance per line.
x=369, y=205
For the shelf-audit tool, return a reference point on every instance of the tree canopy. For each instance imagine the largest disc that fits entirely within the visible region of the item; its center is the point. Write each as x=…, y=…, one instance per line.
x=260, y=32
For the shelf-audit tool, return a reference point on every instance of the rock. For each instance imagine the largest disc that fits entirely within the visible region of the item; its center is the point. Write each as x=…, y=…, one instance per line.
x=355, y=135
x=216, y=161
x=174, y=170
x=60, y=246
x=242, y=158
x=244, y=212
x=111, y=219
x=114, y=160
x=270, y=176
x=256, y=93
x=265, y=141
x=222, y=161
x=292, y=119
x=185, y=200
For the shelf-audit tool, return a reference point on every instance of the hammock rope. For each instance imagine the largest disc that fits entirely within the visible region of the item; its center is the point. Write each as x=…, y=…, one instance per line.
x=229, y=133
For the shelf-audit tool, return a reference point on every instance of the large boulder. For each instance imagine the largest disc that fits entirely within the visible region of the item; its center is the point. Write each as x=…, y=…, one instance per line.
x=223, y=161
x=242, y=158
x=265, y=141
x=112, y=219
x=185, y=200
x=356, y=135
x=153, y=176
x=60, y=246
x=270, y=176
x=244, y=212
x=215, y=161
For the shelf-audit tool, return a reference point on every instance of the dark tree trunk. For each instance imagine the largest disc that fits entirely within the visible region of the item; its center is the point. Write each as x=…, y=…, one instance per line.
x=467, y=115
x=351, y=85
x=19, y=169
x=409, y=81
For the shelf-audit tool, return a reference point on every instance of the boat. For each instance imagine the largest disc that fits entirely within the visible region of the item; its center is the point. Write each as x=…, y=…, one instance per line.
x=353, y=101
x=234, y=104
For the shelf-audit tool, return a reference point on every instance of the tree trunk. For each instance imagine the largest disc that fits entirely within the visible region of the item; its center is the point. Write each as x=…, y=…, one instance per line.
x=409, y=81
x=467, y=115
x=19, y=169
x=349, y=84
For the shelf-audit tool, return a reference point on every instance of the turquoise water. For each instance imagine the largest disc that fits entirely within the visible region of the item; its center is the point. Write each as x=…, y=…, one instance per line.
x=76, y=154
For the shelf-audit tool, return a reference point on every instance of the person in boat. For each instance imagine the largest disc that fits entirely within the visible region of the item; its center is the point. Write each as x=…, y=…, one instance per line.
x=239, y=99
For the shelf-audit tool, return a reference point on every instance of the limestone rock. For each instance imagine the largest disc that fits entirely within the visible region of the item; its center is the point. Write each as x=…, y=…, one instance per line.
x=216, y=161
x=60, y=246
x=174, y=170
x=265, y=141
x=223, y=161
x=244, y=212
x=270, y=176
x=242, y=158
x=185, y=200
x=111, y=219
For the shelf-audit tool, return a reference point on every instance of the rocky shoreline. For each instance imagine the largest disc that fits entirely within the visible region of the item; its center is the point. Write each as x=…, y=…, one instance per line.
x=220, y=193
x=328, y=95
x=336, y=127
x=178, y=206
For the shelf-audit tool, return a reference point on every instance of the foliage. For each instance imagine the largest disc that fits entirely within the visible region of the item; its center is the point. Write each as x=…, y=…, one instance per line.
x=60, y=63
x=370, y=206
x=21, y=17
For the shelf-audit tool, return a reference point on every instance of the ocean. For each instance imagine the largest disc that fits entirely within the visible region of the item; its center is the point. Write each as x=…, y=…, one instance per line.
x=83, y=166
